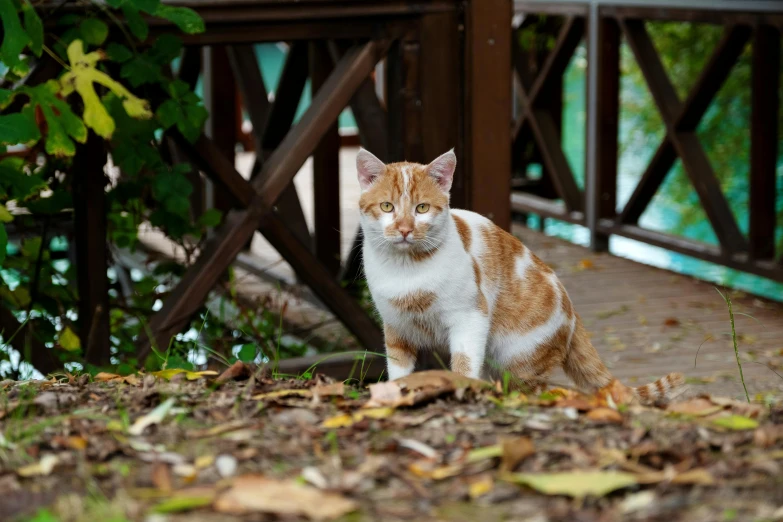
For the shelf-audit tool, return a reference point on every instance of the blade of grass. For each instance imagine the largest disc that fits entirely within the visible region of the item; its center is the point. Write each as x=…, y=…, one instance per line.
x=734, y=341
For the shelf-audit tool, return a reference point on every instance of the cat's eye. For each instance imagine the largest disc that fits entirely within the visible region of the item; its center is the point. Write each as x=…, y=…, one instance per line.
x=423, y=208
x=386, y=206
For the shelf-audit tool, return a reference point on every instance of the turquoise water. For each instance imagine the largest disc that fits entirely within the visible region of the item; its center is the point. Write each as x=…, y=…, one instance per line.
x=663, y=214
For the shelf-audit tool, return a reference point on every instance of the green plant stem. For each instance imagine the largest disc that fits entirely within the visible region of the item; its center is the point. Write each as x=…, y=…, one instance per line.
x=734, y=341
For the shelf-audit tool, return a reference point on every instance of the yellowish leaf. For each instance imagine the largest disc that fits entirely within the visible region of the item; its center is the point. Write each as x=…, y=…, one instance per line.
x=577, y=484
x=279, y=394
x=5, y=216
x=154, y=417
x=191, y=376
x=480, y=487
x=81, y=78
x=344, y=420
x=43, y=467
x=69, y=341
x=736, y=422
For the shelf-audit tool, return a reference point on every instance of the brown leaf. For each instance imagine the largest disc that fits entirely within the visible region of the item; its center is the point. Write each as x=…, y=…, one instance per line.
x=133, y=380
x=386, y=393
x=698, y=476
x=515, y=450
x=605, y=415
x=700, y=407
x=671, y=321
x=235, y=372
x=335, y=389
x=259, y=494
x=767, y=436
x=161, y=476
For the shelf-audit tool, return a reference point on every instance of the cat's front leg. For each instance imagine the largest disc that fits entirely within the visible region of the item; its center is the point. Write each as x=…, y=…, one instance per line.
x=468, y=343
x=400, y=353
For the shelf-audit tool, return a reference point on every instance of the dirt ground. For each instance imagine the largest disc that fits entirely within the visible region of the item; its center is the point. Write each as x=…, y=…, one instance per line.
x=434, y=446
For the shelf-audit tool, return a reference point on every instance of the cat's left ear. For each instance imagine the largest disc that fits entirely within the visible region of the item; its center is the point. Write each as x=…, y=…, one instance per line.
x=442, y=169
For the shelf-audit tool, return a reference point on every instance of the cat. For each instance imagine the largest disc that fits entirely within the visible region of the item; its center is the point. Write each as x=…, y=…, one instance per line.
x=450, y=279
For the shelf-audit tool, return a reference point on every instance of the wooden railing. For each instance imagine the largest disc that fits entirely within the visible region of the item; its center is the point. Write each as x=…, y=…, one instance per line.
x=538, y=80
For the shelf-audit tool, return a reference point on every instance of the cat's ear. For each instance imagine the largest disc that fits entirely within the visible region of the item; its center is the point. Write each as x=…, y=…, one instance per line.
x=442, y=169
x=368, y=168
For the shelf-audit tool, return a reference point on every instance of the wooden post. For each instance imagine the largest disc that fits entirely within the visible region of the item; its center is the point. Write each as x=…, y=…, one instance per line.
x=607, y=114
x=488, y=110
x=440, y=95
x=220, y=98
x=89, y=203
x=764, y=140
x=326, y=172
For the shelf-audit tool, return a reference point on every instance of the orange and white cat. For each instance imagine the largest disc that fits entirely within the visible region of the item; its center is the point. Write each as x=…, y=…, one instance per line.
x=450, y=279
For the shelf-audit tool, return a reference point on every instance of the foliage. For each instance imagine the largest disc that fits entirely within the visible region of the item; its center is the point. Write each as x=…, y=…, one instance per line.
x=116, y=87
x=684, y=49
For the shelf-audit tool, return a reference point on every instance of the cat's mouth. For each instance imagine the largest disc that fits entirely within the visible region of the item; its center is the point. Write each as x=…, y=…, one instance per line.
x=403, y=243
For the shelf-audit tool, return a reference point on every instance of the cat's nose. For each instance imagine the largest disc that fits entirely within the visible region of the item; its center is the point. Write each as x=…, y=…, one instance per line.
x=405, y=231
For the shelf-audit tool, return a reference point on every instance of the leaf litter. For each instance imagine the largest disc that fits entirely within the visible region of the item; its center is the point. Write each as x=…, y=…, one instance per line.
x=431, y=446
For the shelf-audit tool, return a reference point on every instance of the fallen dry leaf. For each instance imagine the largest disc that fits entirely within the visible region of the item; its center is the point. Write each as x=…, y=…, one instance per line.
x=671, y=321
x=699, y=407
x=515, y=450
x=43, y=467
x=616, y=392
x=335, y=389
x=154, y=417
x=236, y=371
x=346, y=419
x=421, y=386
x=385, y=393
x=133, y=380
x=481, y=486
x=256, y=493
x=577, y=484
x=161, y=476
x=693, y=477
x=280, y=394
x=191, y=376
x=604, y=415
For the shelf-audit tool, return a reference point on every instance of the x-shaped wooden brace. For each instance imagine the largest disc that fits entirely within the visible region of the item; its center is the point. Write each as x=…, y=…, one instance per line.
x=681, y=120
x=257, y=199
x=532, y=93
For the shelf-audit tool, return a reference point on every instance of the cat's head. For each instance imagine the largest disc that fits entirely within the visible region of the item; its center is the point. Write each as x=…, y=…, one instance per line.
x=404, y=206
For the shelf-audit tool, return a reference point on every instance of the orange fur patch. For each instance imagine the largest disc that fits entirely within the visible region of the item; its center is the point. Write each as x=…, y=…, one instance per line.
x=390, y=186
x=398, y=348
x=481, y=300
x=417, y=302
x=521, y=304
x=548, y=356
x=464, y=232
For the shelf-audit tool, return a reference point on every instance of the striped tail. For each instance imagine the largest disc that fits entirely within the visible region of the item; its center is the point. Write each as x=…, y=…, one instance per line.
x=662, y=390
x=583, y=364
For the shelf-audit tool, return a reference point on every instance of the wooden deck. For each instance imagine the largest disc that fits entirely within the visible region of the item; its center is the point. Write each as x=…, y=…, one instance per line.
x=645, y=321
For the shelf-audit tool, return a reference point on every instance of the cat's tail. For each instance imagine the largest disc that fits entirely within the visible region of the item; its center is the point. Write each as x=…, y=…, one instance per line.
x=583, y=364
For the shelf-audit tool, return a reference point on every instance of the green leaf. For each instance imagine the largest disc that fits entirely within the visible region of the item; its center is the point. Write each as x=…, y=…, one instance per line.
x=69, y=341
x=3, y=243
x=185, y=18
x=183, y=503
x=15, y=38
x=94, y=31
x=57, y=202
x=577, y=484
x=34, y=28
x=736, y=422
x=19, y=127
x=6, y=97
x=210, y=218
x=183, y=110
x=118, y=52
x=16, y=182
x=82, y=77
x=136, y=23
x=5, y=216
x=148, y=6
x=247, y=353
x=62, y=123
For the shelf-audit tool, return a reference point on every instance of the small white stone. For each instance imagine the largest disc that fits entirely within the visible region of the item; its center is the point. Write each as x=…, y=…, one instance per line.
x=226, y=465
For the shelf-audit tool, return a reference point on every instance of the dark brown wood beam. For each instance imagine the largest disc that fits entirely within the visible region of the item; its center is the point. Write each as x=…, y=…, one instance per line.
x=261, y=194
x=764, y=136
x=686, y=143
x=326, y=172
x=89, y=214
